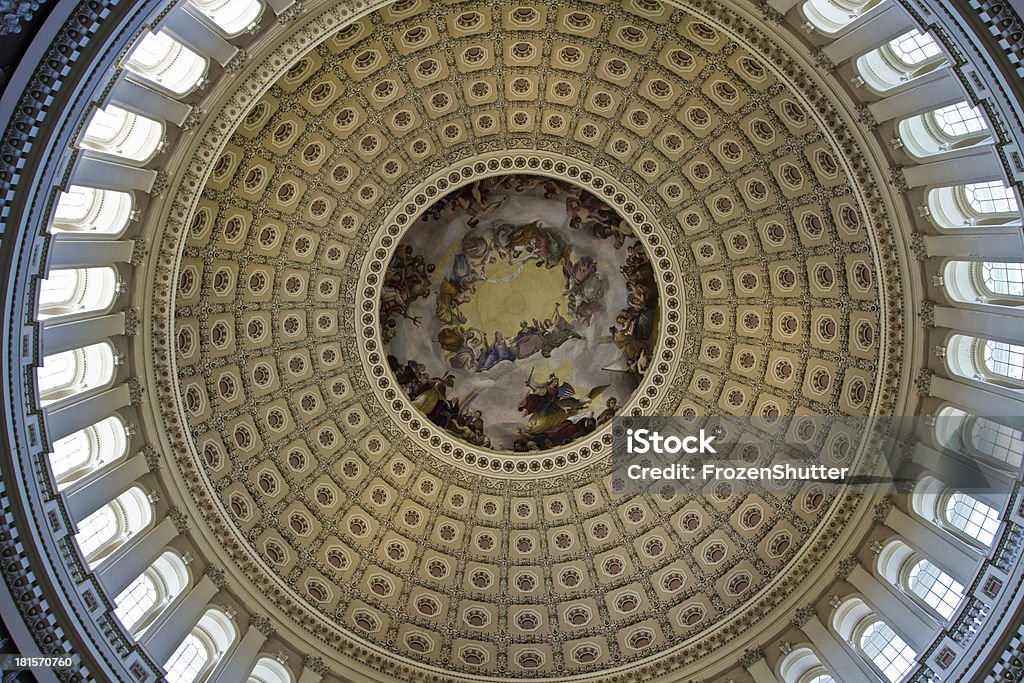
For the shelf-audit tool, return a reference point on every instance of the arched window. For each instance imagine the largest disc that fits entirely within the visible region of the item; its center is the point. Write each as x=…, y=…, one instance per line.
x=974, y=205
x=988, y=282
x=88, y=449
x=85, y=209
x=122, y=133
x=156, y=588
x=830, y=16
x=913, y=48
x=937, y=589
x=232, y=16
x=1002, y=279
x=801, y=665
x=873, y=639
x=71, y=372
x=1004, y=360
x=902, y=59
x=269, y=670
x=986, y=360
x=991, y=198
x=998, y=441
x=112, y=525
x=76, y=290
x=929, y=586
x=202, y=648
x=886, y=650
x=972, y=517
x=978, y=436
x=953, y=127
x=160, y=59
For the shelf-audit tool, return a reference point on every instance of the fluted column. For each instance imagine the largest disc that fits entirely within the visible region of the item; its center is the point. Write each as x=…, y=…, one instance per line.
x=894, y=609
x=196, y=34
x=164, y=636
x=948, y=555
x=994, y=326
x=67, y=252
x=90, y=493
x=970, y=476
x=1006, y=247
x=981, y=399
x=69, y=418
x=129, y=561
x=105, y=174
x=64, y=336
x=139, y=99
x=836, y=658
x=872, y=29
x=928, y=92
x=313, y=669
x=972, y=165
x=761, y=672
x=243, y=658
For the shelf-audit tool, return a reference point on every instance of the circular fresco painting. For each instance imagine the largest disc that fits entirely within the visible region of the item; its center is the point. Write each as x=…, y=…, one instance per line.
x=519, y=313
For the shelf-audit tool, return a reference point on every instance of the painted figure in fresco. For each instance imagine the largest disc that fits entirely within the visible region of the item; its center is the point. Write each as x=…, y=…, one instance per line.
x=406, y=279
x=495, y=353
x=611, y=407
x=549, y=407
x=431, y=394
x=528, y=341
x=557, y=331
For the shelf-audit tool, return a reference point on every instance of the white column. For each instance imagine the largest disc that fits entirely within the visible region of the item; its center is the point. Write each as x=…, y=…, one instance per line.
x=103, y=174
x=928, y=92
x=128, y=562
x=144, y=101
x=93, y=491
x=974, y=165
x=58, y=336
x=836, y=658
x=872, y=29
x=69, y=418
x=897, y=610
x=979, y=399
x=280, y=6
x=993, y=326
x=67, y=252
x=239, y=665
x=196, y=33
x=968, y=475
x=761, y=672
x=1005, y=247
x=949, y=555
x=164, y=636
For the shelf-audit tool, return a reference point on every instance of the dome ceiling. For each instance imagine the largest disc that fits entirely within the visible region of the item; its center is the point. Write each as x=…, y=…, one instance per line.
x=516, y=316
x=695, y=145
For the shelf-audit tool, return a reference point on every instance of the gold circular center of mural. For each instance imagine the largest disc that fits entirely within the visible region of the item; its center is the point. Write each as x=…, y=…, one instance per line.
x=519, y=313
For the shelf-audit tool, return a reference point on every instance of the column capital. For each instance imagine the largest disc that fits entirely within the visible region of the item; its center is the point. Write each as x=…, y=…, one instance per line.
x=801, y=615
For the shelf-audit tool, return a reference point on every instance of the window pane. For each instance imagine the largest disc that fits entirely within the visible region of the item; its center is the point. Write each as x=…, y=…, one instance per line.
x=1006, y=360
x=992, y=197
x=998, y=441
x=96, y=530
x=888, y=651
x=960, y=119
x=937, y=588
x=188, y=660
x=914, y=47
x=135, y=601
x=973, y=517
x=822, y=678
x=1004, y=278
